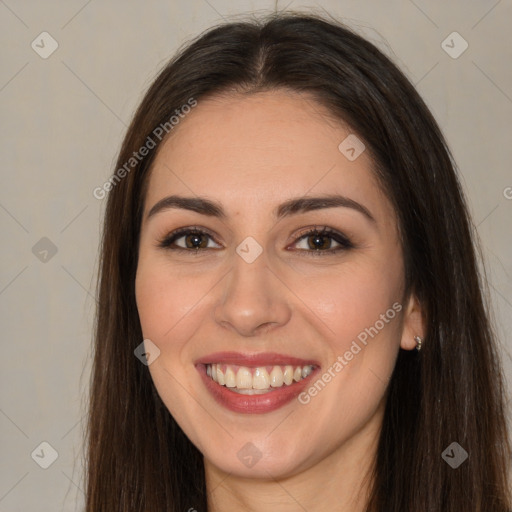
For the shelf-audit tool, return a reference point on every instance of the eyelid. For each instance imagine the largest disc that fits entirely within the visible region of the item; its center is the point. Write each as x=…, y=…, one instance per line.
x=321, y=230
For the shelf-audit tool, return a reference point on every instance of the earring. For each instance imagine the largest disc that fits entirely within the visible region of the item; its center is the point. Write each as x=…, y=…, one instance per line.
x=418, y=341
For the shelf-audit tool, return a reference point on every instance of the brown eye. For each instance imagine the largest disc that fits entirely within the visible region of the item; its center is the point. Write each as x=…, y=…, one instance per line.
x=195, y=241
x=317, y=242
x=188, y=240
x=321, y=241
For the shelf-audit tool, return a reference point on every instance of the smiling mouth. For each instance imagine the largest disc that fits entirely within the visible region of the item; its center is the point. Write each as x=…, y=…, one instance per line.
x=256, y=380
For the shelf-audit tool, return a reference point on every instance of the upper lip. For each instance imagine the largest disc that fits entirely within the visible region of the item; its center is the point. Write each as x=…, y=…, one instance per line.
x=260, y=359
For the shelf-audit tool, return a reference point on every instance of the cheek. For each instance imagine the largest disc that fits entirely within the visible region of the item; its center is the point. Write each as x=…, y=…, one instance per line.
x=361, y=310
x=352, y=299
x=165, y=303
x=163, y=299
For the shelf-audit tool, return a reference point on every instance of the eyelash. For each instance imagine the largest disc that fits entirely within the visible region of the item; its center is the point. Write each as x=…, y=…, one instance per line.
x=345, y=243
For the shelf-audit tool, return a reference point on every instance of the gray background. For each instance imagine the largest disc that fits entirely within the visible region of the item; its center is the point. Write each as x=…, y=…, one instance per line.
x=63, y=120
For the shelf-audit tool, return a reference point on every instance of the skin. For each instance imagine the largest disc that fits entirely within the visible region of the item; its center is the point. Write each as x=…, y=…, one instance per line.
x=251, y=153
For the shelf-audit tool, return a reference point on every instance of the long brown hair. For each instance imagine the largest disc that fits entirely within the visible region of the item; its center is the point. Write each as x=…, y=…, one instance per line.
x=452, y=391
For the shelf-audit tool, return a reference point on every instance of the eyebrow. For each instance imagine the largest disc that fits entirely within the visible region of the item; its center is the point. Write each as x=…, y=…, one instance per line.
x=290, y=207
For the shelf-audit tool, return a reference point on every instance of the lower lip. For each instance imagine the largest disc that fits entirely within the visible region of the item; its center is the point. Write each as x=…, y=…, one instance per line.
x=253, y=404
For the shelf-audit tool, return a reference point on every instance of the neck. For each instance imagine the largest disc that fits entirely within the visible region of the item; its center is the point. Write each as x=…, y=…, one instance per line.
x=338, y=483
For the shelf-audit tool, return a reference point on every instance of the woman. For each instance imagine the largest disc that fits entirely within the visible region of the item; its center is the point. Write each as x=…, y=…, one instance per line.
x=290, y=312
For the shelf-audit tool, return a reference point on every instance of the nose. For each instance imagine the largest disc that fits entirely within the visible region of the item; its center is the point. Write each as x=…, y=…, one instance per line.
x=253, y=300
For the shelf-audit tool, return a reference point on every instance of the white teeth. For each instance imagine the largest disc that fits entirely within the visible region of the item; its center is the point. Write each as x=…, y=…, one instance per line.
x=220, y=376
x=306, y=371
x=244, y=378
x=230, y=378
x=276, y=377
x=251, y=381
x=288, y=375
x=260, y=379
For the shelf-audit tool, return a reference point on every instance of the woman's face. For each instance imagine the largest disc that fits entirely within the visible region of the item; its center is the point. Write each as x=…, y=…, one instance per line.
x=300, y=329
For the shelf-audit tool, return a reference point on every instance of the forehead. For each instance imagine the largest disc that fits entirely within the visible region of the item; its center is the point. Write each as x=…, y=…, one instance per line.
x=252, y=151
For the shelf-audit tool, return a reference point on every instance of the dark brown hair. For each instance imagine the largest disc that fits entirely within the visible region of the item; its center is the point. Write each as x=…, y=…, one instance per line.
x=452, y=391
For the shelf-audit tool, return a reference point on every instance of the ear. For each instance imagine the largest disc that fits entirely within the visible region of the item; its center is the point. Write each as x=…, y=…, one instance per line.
x=413, y=323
